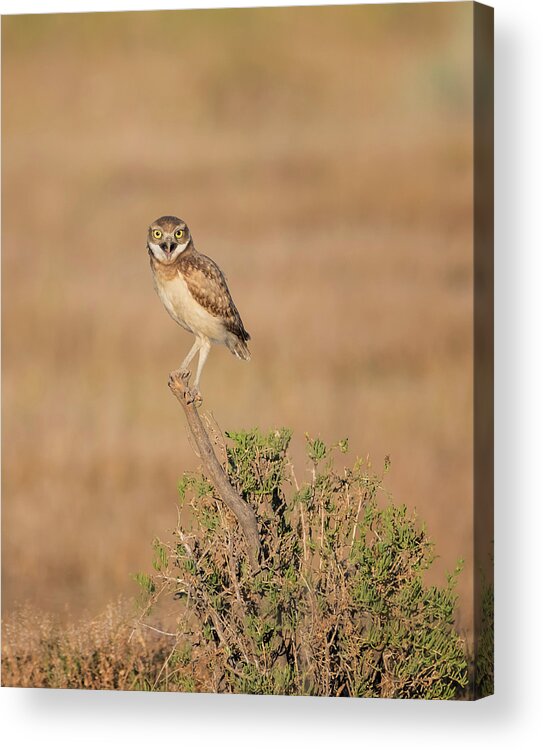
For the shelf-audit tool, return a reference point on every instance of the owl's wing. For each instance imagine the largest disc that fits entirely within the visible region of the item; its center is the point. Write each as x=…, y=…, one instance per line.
x=208, y=286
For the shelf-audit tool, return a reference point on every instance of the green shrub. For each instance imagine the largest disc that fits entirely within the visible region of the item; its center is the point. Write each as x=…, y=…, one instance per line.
x=484, y=666
x=339, y=606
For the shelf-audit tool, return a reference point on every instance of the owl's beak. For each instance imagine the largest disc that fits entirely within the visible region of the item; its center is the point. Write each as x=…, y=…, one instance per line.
x=168, y=247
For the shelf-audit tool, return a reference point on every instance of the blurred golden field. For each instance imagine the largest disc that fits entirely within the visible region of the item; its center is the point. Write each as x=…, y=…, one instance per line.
x=323, y=157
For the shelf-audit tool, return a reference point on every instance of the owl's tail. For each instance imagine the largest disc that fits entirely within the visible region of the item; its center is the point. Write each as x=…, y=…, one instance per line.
x=238, y=347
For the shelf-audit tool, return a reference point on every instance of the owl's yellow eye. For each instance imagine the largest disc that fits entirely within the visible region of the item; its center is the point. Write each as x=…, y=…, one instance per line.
x=178, y=234
x=157, y=234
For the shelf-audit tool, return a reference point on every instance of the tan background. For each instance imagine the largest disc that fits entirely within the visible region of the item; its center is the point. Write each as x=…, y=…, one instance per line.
x=323, y=157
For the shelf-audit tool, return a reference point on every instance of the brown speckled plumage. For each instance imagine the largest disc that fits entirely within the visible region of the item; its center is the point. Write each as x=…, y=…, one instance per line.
x=208, y=286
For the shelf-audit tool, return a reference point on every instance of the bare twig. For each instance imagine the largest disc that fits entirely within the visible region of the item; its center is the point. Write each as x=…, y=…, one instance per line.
x=178, y=384
x=360, y=497
x=157, y=630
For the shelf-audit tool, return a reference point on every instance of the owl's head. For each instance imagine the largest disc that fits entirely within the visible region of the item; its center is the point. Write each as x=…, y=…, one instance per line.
x=167, y=238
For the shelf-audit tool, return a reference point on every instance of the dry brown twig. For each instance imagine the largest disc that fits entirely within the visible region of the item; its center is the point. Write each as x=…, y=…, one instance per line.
x=179, y=386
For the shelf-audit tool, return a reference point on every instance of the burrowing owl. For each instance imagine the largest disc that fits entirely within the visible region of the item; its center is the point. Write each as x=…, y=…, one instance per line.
x=194, y=292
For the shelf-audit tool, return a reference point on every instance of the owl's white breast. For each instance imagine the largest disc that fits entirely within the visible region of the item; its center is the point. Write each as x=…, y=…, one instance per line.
x=184, y=309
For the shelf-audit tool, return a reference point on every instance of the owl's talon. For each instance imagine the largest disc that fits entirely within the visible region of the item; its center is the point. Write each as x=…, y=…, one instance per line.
x=191, y=395
x=172, y=377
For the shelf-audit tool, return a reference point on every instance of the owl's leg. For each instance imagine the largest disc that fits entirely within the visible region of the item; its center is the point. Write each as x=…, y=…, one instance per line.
x=205, y=346
x=190, y=356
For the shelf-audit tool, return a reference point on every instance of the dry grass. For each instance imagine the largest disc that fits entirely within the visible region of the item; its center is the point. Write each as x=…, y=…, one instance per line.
x=323, y=157
x=108, y=652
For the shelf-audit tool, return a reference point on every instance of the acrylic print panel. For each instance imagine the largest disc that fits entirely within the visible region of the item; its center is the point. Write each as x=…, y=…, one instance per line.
x=317, y=519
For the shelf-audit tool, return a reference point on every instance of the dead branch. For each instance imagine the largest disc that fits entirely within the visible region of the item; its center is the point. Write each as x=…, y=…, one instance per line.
x=178, y=384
